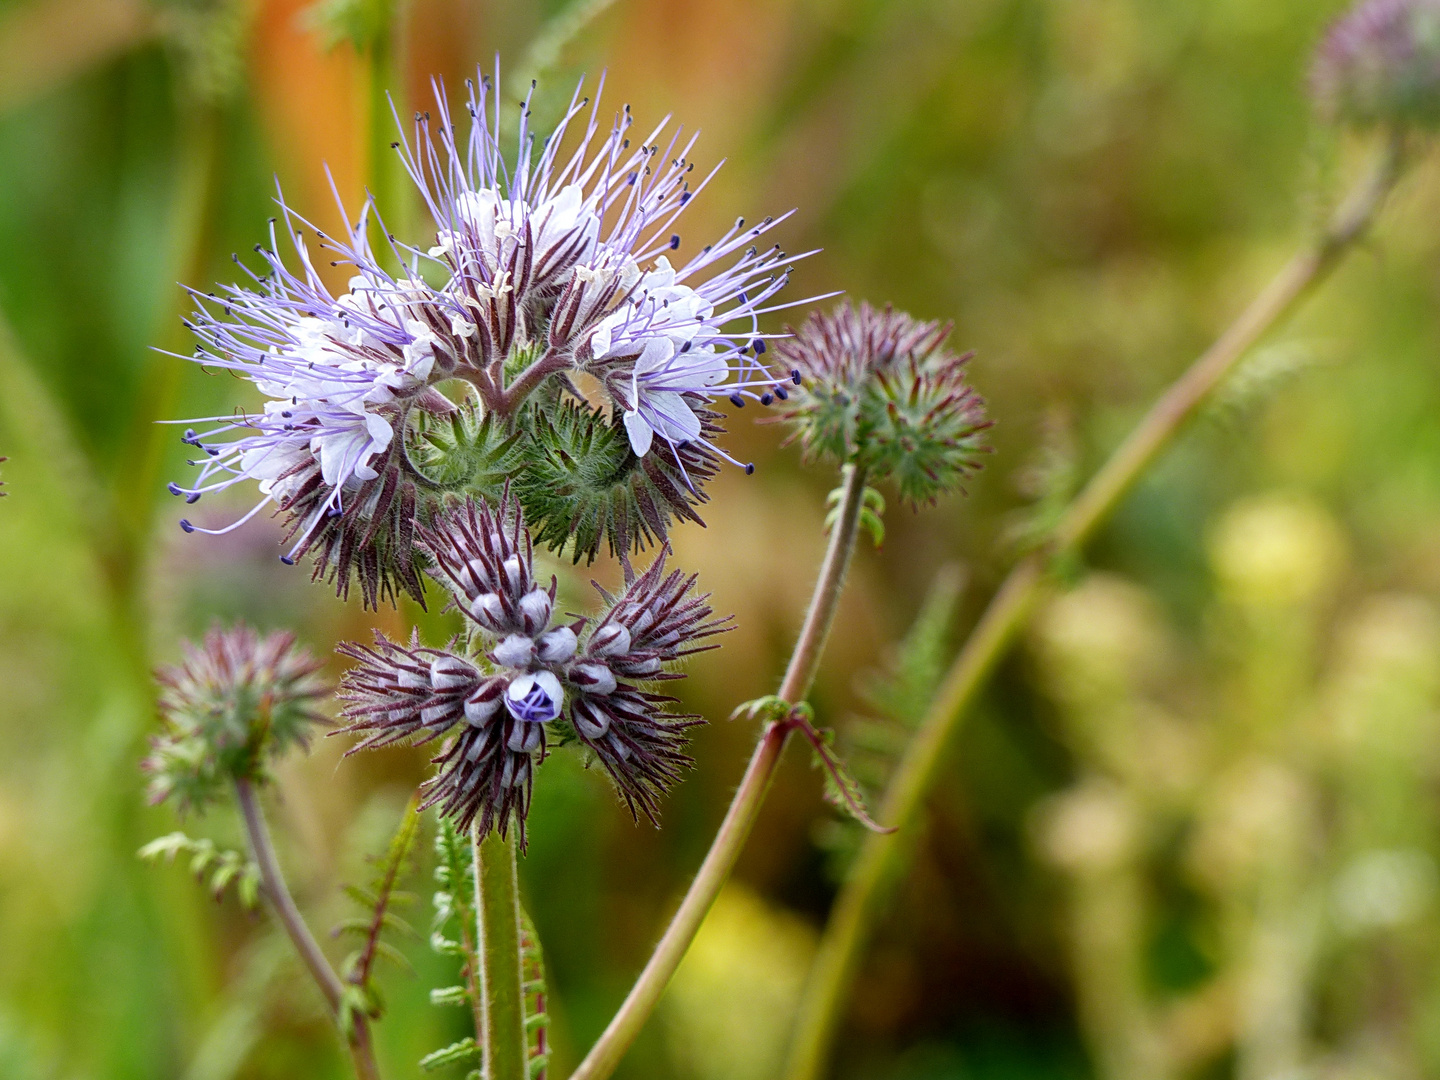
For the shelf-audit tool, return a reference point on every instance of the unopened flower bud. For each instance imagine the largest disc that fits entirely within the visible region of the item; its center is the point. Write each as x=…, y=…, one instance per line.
x=515, y=578
x=612, y=639
x=478, y=577
x=1380, y=63
x=444, y=714
x=594, y=678
x=525, y=738
x=880, y=389
x=480, y=706
x=638, y=667
x=535, y=610
x=591, y=721
x=516, y=651
x=557, y=646
x=447, y=672
x=488, y=610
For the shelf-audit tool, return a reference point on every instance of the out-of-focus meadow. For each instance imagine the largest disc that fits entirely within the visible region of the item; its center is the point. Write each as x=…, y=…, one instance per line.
x=1193, y=828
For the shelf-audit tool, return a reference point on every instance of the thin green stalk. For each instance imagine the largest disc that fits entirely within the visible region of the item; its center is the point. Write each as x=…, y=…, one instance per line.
x=881, y=860
x=745, y=806
x=278, y=893
x=497, y=891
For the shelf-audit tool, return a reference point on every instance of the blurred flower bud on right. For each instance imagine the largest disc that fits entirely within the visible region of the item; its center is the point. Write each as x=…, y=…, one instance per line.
x=1380, y=64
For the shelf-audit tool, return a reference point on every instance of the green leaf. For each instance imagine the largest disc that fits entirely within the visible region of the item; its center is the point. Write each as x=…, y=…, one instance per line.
x=223, y=867
x=377, y=897
x=871, y=523
x=449, y=995
x=249, y=888
x=537, y=1020
x=841, y=788
x=771, y=708
x=456, y=1053
x=166, y=847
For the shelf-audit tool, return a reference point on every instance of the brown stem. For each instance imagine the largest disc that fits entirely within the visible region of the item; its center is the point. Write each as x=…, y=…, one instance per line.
x=524, y=384
x=361, y=1051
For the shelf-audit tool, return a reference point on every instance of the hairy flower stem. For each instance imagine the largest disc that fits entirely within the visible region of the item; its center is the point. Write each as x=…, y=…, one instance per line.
x=745, y=806
x=525, y=384
x=497, y=891
x=881, y=859
x=362, y=1053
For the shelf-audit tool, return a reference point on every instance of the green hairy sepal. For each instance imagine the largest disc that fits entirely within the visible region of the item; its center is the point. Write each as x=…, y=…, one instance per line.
x=465, y=452
x=582, y=484
x=570, y=466
x=921, y=425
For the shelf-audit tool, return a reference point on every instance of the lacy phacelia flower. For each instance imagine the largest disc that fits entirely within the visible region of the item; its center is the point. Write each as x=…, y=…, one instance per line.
x=235, y=702
x=542, y=269
x=344, y=373
x=878, y=389
x=1380, y=63
x=529, y=681
x=568, y=255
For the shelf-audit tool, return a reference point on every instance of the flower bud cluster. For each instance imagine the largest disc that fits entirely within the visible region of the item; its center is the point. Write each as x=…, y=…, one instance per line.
x=527, y=681
x=1380, y=64
x=878, y=389
x=233, y=704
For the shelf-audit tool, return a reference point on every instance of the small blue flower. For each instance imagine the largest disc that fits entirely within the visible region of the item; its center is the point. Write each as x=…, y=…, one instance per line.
x=535, y=698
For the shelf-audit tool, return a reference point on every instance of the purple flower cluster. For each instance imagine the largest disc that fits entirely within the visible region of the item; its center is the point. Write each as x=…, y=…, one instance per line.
x=527, y=680
x=557, y=262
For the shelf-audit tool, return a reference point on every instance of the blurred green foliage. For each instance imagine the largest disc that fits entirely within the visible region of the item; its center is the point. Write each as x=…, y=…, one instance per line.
x=1090, y=189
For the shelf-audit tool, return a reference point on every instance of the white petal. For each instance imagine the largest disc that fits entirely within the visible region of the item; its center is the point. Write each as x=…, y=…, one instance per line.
x=640, y=433
x=655, y=356
x=676, y=420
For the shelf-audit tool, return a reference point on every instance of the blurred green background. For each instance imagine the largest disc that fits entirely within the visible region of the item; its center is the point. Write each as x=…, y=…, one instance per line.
x=1193, y=828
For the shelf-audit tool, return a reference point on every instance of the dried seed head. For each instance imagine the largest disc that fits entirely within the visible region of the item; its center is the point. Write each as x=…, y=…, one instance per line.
x=231, y=705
